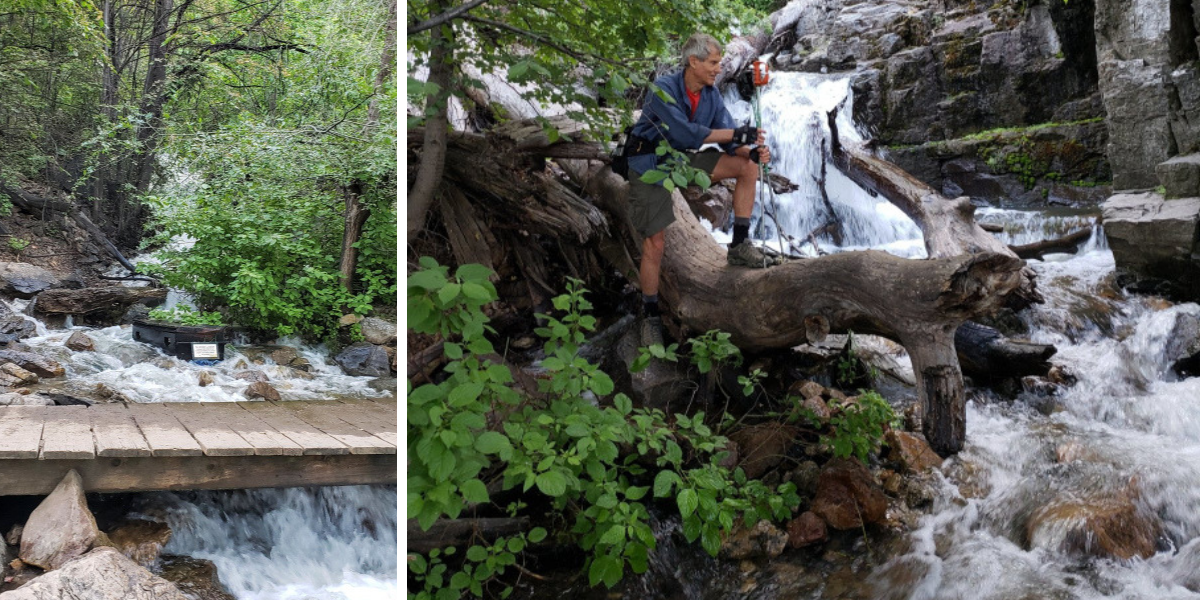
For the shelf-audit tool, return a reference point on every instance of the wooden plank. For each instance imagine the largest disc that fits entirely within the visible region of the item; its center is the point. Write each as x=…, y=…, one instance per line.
x=265, y=439
x=159, y=473
x=215, y=438
x=67, y=434
x=323, y=416
x=20, y=431
x=115, y=431
x=371, y=417
x=311, y=439
x=165, y=435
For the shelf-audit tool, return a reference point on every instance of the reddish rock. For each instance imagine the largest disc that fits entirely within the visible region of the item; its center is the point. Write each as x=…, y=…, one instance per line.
x=805, y=530
x=806, y=389
x=1111, y=527
x=764, y=539
x=80, y=342
x=911, y=451
x=762, y=447
x=819, y=408
x=140, y=540
x=847, y=495
x=251, y=376
x=261, y=389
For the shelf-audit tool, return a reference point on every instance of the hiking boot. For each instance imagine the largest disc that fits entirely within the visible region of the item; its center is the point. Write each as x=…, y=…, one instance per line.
x=651, y=332
x=746, y=254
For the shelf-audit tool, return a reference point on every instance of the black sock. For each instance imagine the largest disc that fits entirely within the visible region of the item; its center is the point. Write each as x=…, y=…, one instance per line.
x=650, y=305
x=741, y=230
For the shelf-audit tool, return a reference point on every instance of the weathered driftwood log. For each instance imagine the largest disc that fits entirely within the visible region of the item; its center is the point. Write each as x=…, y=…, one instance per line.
x=89, y=301
x=919, y=303
x=948, y=224
x=986, y=355
x=1066, y=243
x=461, y=532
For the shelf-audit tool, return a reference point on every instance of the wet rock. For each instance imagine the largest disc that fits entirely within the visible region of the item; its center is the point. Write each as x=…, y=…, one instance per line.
x=140, y=540
x=918, y=490
x=252, y=376
x=805, y=477
x=378, y=331
x=847, y=495
x=14, y=327
x=13, y=537
x=301, y=364
x=1152, y=239
x=61, y=528
x=391, y=353
x=296, y=373
x=261, y=389
x=805, y=530
x=195, y=577
x=762, y=447
x=806, y=389
x=42, y=366
x=1104, y=526
x=206, y=378
x=1071, y=451
x=102, y=574
x=819, y=409
x=763, y=540
x=106, y=393
x=285, y=355
x=19, y=399
x=137, y=312
x=11, y=372
x=384, y=384
x=80, y=342
x=364, y=359
x=911, y=451
x=24, y=280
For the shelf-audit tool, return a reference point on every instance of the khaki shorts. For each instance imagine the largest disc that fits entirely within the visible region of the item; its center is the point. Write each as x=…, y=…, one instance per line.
x=650, y=206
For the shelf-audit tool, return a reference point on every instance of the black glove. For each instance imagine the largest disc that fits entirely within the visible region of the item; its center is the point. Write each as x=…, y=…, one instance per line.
x=754, y=155
x=745, y=135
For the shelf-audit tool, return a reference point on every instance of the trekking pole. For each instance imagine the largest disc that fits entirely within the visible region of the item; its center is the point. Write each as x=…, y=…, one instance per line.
x=762, y=76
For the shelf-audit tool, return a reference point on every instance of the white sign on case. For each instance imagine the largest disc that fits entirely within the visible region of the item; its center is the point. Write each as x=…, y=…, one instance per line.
x=204, y=351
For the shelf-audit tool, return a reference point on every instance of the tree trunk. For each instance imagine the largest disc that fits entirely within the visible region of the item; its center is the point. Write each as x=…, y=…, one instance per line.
x=433, y=153
x=386, y=63
x=355, y=217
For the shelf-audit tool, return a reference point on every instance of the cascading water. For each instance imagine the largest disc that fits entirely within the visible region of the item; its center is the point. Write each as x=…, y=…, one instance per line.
x=328, y=543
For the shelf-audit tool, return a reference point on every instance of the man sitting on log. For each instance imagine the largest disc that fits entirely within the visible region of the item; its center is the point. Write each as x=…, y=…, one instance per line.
x=687, y=125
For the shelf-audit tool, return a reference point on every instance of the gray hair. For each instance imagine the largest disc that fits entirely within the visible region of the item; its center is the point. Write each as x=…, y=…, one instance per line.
x=700, y=45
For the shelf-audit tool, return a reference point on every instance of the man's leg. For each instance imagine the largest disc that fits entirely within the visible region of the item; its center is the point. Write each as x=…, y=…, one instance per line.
x=648, y=273
x=745, y=171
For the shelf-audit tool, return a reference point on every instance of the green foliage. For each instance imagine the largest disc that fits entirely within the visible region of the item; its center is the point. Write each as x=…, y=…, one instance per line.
x=595, y=463
x=186, y=315
x=858, y=426
x=481, y=565
x=18, y=244
x=713, y=349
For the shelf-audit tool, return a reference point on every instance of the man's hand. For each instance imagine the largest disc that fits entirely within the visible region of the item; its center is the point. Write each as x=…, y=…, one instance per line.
x=746, y=135
x=760, y=155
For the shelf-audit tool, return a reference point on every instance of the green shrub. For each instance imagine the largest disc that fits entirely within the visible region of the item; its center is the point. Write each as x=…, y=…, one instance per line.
x=186, y=315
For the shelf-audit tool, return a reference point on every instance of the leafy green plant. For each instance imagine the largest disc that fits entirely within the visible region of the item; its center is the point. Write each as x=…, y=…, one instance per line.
x=18, y=244
x=713, y=349
x=592, y=459
x=186, y=315
x=858, y=426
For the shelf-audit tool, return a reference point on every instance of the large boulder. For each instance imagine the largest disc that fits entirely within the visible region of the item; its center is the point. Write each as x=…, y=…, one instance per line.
x=24, y=280
x=102, y=574
x=911, y=451
x=13, y=326
x=140, y=540
x=80, y=342
x=61, y=528
x=365, y=359
x=1111, y=526
x=40, y=365
x=1152, y=240
x=378, y=331
x=847, y=495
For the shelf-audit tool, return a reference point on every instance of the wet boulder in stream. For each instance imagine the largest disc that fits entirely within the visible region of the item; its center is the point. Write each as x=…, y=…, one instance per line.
x=102, y=574
x=140, y=540
x=80, y=342
x=365, y=359
x=40, y=365
x=261, y=389
x=847, y=495
x=13, y=326
x=195, y=577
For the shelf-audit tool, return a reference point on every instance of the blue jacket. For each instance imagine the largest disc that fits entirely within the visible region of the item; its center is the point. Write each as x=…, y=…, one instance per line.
x=675, y=122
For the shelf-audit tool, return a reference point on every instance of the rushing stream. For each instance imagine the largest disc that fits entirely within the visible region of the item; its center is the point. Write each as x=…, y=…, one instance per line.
x=328, y=543
x=1123, y=442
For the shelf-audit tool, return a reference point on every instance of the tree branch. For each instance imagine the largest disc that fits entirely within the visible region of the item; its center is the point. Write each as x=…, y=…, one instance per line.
x=444, y=17
x=579, y=56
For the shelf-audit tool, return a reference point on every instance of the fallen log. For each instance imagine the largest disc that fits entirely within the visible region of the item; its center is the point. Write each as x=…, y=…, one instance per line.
x=1066, y=243
x=987, y=355
x=948, y=225
x=919, y=303
x=461, y=532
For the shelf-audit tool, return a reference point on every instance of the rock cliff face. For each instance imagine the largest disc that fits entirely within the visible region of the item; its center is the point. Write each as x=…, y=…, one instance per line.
x=935, y=82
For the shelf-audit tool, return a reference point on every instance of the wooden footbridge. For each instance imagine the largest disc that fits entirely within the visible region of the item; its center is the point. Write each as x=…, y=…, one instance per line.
x=198, y=445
